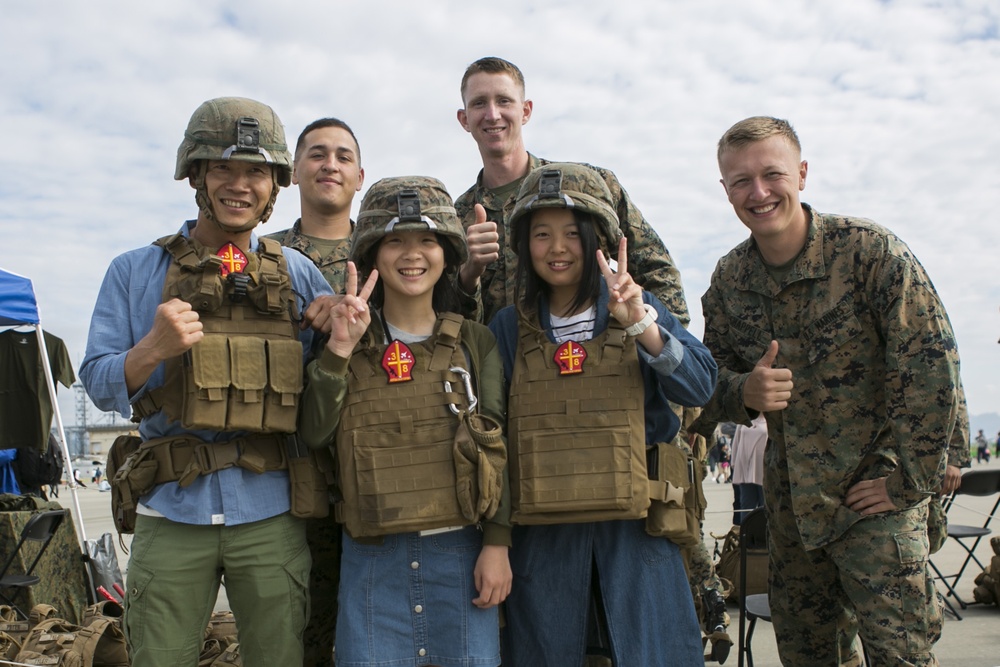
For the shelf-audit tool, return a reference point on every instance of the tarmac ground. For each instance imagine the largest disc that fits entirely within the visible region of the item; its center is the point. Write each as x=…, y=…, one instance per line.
x=972, y=642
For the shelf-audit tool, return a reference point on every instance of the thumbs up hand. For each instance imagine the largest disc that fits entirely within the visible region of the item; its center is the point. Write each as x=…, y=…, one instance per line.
x=768, y=389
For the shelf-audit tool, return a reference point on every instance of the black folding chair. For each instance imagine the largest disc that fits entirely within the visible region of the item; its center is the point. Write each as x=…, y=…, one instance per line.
x=753, y=535
x=41, y=528
x=981, y=483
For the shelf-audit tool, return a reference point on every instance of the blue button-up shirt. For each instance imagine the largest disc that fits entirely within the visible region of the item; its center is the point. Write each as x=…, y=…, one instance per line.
x=124, y=313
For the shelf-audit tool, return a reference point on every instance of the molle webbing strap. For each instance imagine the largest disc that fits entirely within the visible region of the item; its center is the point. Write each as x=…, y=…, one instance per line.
x=265, y=312
x=147, y=404
x=396, y=442
x=271, y=263
x=184, y=458
x=231, y=318
x=554, y=395
x=42, y=612
x=532, y=341
x=88, y=640
x=577, y=440
x=185, y=254
x=180, y=249
x=448, y=329
x=411, y=402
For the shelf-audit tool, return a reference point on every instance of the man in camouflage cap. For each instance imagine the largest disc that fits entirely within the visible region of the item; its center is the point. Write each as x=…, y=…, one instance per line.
x=328, y=172
x=211, y=475
x=831, y=327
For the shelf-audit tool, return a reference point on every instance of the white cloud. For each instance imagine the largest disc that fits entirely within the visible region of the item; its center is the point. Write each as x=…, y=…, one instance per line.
x=896, y=104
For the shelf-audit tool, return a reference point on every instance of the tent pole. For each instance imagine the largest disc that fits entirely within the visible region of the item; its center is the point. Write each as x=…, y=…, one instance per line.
x=44, y=353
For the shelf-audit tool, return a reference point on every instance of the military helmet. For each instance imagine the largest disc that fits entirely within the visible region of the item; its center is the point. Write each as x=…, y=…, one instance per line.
x=405, y=204
x=567, y=185
x=235, y=128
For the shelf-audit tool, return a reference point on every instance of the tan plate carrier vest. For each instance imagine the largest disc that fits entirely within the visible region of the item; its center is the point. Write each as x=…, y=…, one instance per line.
x=577, y=442
x=244, y=375
x=398, y=444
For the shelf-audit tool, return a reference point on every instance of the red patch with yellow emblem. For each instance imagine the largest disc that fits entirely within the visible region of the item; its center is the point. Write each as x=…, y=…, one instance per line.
x=398, y=362
x=569, y=358
x=233, y=259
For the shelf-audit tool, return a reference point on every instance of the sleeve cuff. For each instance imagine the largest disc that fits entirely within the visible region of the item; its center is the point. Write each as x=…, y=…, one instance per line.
x=495, y=534
x=333, y=364
x=902, y=497
x=669, y=358
x=734, y=405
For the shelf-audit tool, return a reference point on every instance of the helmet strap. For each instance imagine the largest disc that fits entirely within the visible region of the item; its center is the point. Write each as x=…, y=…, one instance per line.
x=205, y=204
x=269, y=209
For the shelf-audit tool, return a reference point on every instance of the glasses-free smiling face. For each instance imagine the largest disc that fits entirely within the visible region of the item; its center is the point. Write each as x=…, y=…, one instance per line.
x=556, y=249
x=410, y=263
x=762, y=181
x=328, y=171
x=239, y=191
x=495, y=110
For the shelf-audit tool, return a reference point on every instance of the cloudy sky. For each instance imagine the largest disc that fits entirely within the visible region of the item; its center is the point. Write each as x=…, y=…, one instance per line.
x=896, y=103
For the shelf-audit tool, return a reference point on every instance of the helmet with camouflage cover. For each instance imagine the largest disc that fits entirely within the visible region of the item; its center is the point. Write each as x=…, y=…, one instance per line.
x=233, y=128
x=404, y=204
x=567, y=185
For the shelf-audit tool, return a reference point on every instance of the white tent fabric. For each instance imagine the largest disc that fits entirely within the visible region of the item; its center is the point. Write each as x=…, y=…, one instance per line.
x=18, y=307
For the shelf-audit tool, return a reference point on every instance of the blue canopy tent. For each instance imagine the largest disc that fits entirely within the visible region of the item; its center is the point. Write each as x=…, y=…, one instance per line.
x=18, y=307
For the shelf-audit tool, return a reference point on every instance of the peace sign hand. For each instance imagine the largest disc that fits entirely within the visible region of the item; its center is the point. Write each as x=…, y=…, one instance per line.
x=625, y=296
x=351, y=316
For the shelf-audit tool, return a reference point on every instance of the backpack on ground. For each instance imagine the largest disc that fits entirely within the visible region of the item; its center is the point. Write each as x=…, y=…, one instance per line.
x=54, y=641
x=728, y=567
x=987, y=590
x=12, y=632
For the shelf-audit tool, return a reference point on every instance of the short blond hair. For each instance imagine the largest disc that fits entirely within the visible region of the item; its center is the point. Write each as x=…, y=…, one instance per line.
x=754, y=129
x=493, y=65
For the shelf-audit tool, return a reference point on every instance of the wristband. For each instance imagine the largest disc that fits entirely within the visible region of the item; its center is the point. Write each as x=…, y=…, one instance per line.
x=643, y=324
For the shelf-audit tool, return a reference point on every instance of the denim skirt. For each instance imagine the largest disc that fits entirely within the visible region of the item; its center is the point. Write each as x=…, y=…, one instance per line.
x=408, y=601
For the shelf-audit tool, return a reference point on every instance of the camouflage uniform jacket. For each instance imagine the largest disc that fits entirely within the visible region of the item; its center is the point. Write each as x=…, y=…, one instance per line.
x=333, y=266
x=874, y=362
x=649, y=261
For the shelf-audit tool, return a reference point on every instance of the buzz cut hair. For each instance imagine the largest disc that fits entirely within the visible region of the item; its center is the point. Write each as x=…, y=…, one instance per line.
x=754, y=129
x=493, y=65
x=319, y=124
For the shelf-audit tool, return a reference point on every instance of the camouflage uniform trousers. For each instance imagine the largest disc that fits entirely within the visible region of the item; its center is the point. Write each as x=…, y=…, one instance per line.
x=701, y=574
x=697, y=560
x=323, y=537
x=874, y=578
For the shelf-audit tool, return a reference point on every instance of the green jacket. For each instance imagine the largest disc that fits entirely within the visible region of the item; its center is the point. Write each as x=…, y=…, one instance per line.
x=326, y=387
